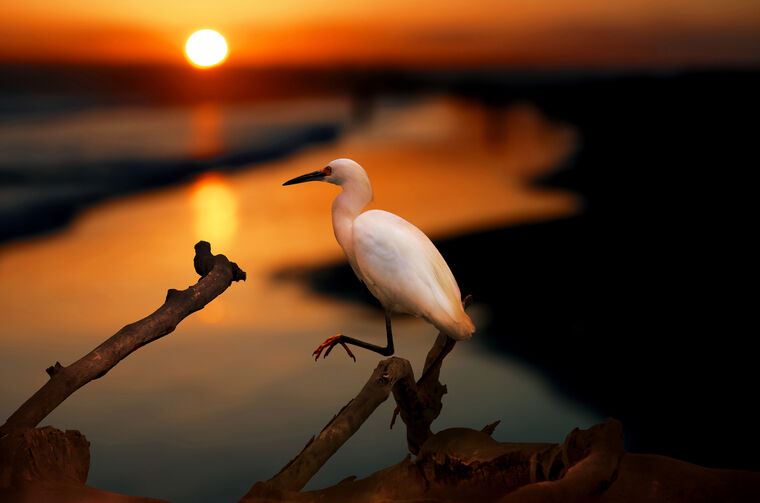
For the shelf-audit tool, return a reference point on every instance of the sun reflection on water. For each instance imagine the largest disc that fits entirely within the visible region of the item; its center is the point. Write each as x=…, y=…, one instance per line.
x=215, y=210
x=250, y=348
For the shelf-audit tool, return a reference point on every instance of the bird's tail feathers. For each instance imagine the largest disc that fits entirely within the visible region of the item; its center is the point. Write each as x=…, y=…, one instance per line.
x=464, y=327
x=458, y=327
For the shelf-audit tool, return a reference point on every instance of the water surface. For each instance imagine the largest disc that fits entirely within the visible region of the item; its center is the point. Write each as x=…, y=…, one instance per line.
x=233, y=394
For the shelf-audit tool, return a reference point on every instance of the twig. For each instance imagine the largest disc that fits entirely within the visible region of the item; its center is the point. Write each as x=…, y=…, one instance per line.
x=217, y=273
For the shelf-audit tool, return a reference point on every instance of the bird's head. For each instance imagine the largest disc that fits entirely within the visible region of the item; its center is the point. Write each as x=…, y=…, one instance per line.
x=337, y=172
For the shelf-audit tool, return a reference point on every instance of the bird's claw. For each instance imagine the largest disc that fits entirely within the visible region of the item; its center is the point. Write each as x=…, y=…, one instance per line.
x=330, y=343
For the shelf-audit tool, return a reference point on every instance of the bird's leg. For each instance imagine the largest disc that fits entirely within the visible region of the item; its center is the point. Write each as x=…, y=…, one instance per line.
x=333, y=341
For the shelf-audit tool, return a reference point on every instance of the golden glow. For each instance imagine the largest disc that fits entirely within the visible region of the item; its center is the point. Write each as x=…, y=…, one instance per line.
x=215, y=208
x=426, y=32
x=268, y=229
x=206, y=48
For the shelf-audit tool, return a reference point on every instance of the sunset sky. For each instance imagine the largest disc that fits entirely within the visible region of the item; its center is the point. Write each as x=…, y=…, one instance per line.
x=521, y=32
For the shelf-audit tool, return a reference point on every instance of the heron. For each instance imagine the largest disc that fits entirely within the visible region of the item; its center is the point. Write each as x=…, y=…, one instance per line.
x=396, y=261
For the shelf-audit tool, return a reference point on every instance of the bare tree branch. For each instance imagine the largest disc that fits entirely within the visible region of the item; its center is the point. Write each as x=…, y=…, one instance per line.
x=217, y=273
x=295, y=475
x=419, y=404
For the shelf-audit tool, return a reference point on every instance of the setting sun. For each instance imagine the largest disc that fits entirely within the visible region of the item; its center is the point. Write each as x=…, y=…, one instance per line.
x=206, y=48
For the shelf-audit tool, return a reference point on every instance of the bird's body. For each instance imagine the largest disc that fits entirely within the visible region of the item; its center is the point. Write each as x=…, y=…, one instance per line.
x=406, y=272
x=395, y=260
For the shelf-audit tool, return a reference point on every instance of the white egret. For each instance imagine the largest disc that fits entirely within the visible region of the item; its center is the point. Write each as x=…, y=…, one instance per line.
x=395, y=260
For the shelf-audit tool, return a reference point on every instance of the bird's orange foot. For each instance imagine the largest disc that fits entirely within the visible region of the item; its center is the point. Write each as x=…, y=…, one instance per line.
x=330, y=343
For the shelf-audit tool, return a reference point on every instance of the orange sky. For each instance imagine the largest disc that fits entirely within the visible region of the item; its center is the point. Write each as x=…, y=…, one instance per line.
x=526, y=32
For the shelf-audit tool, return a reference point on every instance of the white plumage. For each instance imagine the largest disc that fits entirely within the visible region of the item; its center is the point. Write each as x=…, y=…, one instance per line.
x=406, y=272
x=396, y=261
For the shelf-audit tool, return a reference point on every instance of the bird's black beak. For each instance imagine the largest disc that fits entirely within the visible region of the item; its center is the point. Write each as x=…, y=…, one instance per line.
x=314, y=176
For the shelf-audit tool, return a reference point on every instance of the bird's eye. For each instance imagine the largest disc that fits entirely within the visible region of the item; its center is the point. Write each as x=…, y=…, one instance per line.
x=327, y=171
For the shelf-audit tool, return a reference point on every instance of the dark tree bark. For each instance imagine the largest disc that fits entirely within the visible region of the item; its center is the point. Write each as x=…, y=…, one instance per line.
x=217, y=273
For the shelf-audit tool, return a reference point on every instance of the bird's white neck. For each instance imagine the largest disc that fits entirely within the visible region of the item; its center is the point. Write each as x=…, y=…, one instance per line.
x=356, y=194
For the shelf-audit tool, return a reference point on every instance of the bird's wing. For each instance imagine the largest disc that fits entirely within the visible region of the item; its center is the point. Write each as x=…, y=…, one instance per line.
x=405, y=271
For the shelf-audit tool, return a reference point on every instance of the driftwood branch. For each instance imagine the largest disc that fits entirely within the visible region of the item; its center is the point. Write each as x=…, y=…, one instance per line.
x=460, y=464
x=419, y=404
x=217, y=273
x=295, y=475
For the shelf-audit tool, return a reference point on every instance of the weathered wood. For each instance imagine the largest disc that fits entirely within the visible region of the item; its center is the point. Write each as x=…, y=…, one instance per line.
x=46, y=464
x=43, y=454
x=418, y=411
x=217, y=274
x=296, y=474
x=460, y=464
x=419, y=403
